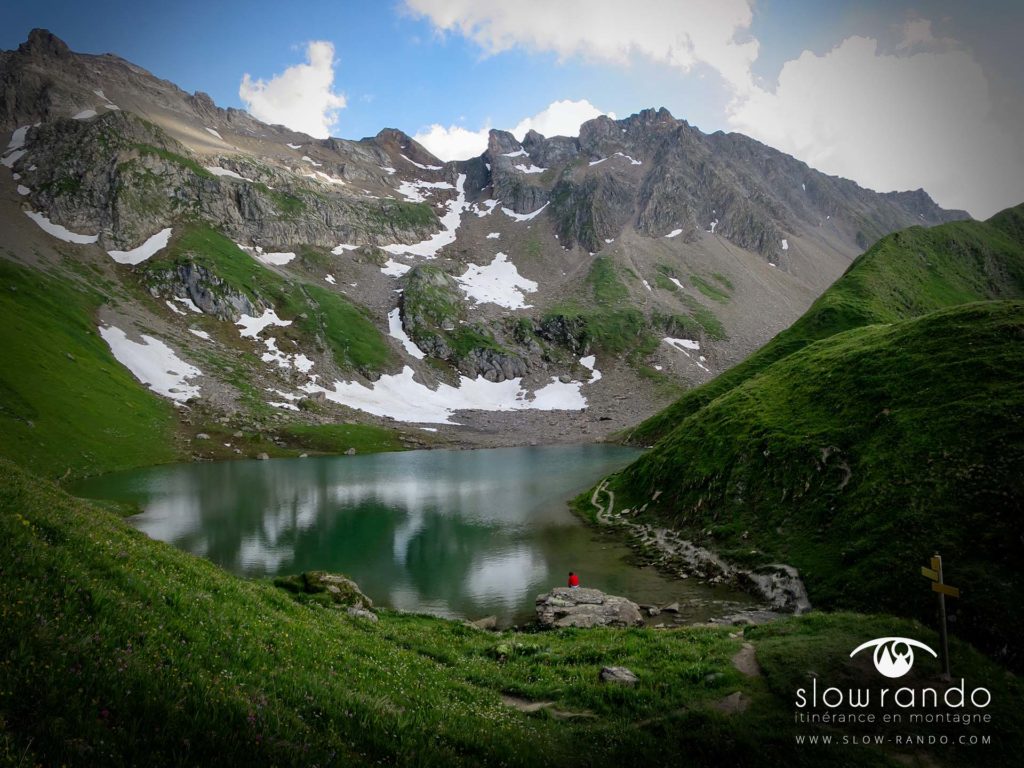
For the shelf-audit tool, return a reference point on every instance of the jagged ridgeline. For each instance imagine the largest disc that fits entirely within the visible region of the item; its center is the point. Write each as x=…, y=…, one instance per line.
x=294, y=282
x=884, y=425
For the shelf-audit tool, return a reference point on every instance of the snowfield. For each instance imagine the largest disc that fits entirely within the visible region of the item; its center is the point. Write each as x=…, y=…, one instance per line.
x=13, y=156
x=449, y=226
x=396, y=331
x=153, y=363
x=674, y=233
x=523, y=216
x=497, y=283
x=589, y=362
x=138, y=255
x=253, y=326
x=421, y=166
x=216, y=170
x=404, y=399
x=413, y=190
x=61, y=233
x=278, y=259
x=682, y=343
x=299, y=362
x=394, y=268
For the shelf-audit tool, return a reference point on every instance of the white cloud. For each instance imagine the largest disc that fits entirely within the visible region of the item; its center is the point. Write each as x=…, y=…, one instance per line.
x=559, y=118
x=920, y=115
x=892, y=122
x=679, y=34
x=453, y=142
x=300, y=97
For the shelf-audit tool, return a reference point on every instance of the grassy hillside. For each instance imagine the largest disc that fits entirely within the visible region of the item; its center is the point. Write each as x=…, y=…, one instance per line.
x=318, y=315
x=66, y=405
x=118, y=650
x=858, y=456
x=904, y=275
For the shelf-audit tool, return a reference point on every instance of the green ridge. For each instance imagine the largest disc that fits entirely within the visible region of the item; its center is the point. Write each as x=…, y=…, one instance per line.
x=904, y=275
x=318, y=315
x=859, y=456
x=66, y=405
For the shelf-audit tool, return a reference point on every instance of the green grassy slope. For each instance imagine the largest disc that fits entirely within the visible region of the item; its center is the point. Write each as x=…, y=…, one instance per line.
x=318, y=314
x=905, y=274
x=65, y=403
x=857, y=457
x=118, y=650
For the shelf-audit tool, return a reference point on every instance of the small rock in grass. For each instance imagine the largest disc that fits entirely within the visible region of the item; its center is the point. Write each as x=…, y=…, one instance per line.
x=618, y=675
x=487, y=622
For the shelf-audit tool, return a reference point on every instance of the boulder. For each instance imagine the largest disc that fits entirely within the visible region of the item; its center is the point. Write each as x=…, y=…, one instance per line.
x=489, y=623
x=357, y=611
x=618, y=676
x=331, y=590
x=567, y=607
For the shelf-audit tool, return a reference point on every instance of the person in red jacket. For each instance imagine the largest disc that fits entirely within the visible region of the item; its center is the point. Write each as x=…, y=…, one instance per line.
x=574, y=580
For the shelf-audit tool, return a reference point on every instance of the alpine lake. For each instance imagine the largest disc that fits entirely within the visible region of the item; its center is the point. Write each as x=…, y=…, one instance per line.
x=459, y=534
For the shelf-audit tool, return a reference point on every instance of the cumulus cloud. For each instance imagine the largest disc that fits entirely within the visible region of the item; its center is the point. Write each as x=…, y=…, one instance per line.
x=453, y=142
x=301, y=97
x=920, y=115
x=679, y=34
x=560, y=118
x=892, y=121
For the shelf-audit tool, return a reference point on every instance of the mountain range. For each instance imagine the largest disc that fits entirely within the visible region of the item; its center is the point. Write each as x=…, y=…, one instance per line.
x=294, y=284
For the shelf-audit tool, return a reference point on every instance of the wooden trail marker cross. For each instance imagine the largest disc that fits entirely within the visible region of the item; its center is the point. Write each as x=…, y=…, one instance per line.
x=934, y=574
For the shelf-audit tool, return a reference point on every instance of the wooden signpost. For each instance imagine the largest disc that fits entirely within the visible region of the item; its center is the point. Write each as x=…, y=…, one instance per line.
x=934, y=573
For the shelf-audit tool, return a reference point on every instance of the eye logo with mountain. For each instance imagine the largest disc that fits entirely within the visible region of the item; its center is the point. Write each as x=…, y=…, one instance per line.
x=894, y=656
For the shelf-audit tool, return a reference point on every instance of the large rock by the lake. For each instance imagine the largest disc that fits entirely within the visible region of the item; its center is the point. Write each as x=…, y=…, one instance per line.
x=568, y=607
x=331, y=590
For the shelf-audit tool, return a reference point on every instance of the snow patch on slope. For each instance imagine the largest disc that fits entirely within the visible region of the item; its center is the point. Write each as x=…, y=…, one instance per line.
x=153, y=363
x=523, y=216
x=589, y=362
x=396, y=331
x=497, y=283
x=404, y=399
x=61, y=233
x=216, y=170
x=138, y=255
x=449, y=226
x=252, y=326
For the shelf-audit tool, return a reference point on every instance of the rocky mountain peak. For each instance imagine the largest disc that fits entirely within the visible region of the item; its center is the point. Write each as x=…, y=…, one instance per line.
x=394, y=141
x=42, y=43
x=502, y=143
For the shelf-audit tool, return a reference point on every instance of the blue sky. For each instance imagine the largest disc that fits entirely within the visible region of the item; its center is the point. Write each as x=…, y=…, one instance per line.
x=893, y=94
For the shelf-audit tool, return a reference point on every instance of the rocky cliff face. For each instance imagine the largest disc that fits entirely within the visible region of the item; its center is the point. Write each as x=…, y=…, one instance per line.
x=600, y=272
x=656, y=174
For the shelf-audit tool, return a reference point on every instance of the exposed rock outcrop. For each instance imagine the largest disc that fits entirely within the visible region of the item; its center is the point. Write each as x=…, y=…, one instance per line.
x=330, y=590
x=581, y=607
x=618, y=676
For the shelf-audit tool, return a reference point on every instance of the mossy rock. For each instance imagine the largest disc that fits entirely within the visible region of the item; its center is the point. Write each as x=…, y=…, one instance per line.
x=327, y=589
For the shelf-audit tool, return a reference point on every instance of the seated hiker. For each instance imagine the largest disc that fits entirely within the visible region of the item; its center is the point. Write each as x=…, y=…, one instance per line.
x=574, y=580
